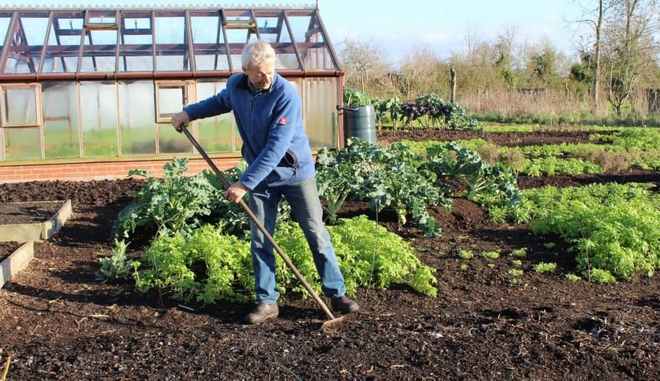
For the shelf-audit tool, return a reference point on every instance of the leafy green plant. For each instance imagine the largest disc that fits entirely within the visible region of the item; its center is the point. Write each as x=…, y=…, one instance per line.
x=208, y=265
x=519, y=253
x=551, y=166
x=492, y=255
x=601, y=276
x=516, y=262
x=432, y=109
x=492, y=186
x=173, y=203
x=573, y=278
x=465, y=254
x=117, y=266
x=203, y=266
x=516, y=273
x=611, y=227
x=515, y=276
x=389, y=109
x=355, y=99
x=387, y=177
x=544, y=267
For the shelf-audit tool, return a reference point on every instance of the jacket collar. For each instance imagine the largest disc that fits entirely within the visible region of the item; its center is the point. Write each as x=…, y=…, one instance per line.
x=245, y=84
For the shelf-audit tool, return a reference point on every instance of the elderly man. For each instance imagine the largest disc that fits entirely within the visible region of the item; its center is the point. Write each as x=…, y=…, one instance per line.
x=268, y=112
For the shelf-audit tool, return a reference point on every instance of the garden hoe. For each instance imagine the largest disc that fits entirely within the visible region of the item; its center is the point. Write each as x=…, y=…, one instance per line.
x=333, y=323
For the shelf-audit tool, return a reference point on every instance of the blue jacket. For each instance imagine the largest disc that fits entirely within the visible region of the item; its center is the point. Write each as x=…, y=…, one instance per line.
x=275, y=145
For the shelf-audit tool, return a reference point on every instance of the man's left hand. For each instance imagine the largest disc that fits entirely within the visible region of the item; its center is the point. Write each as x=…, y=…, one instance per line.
x=236, y=192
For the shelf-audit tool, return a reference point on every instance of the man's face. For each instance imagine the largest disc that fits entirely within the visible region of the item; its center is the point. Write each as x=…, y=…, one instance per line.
x=260, y=76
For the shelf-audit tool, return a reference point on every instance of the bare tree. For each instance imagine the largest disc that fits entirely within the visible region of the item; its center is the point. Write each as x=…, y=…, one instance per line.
x=364, y=65
x=630, y=45
x=594, y=16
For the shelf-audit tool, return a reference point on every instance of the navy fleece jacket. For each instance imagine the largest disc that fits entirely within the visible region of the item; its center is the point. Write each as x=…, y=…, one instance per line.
x=275, y=145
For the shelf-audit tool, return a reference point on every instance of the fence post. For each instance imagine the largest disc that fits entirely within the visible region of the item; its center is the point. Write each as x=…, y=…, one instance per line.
x=452, y=85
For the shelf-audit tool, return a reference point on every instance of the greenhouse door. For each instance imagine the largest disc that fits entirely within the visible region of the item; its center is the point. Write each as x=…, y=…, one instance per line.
x=21, y=122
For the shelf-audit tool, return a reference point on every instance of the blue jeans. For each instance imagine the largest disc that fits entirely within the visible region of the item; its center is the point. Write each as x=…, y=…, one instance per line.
x=306, y=208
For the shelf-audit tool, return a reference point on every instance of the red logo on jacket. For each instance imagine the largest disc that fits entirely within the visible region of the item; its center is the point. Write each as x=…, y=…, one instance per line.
x=283, y=120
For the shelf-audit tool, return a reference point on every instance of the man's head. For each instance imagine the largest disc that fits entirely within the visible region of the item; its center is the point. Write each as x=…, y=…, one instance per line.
x=258, y=62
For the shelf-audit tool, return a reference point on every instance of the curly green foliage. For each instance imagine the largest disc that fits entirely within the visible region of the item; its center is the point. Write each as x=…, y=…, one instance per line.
x=551, y=166
x=173, y=203
x=545, y=267
x=641, y=138
x=205, y=266
x=612, y=227
x=387, y=177
x=368, y=255
x=601, y=276
x=208, y=265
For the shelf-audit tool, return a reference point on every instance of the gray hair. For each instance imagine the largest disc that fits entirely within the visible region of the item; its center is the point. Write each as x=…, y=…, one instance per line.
x=256, y=53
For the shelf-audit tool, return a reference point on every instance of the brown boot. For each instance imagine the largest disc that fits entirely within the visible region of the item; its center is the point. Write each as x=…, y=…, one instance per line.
x=344, y=305
x=262, y=312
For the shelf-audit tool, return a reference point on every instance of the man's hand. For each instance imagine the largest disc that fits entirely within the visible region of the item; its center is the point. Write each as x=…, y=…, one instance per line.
x=236, y=192
x=179, y=120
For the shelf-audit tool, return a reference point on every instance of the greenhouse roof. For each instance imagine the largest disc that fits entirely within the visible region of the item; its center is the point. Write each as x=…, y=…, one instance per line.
x=166, y=40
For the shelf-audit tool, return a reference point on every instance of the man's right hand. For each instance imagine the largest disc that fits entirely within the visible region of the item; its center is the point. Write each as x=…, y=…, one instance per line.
x=180, y=120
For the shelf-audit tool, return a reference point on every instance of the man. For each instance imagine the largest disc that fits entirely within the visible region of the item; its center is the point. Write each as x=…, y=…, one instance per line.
x=268, y=112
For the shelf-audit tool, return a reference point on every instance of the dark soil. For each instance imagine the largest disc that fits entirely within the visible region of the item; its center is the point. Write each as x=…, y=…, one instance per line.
x=499, y=138
x=7, y=248
x=25, y=213
x=633, y=176
x=60, y=322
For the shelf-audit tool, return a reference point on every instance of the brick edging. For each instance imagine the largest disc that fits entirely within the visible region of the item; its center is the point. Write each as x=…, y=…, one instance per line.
x=98, y=170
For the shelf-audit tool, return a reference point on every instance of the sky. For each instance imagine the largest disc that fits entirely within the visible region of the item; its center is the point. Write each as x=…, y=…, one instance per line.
x=398, y=28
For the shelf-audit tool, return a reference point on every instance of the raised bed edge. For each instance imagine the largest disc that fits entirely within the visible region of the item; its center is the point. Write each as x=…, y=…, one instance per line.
x=37, y=231
x=16, y=262
x=52, y=226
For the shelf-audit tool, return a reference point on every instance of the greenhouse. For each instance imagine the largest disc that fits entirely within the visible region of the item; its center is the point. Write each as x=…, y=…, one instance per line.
x=80, y=85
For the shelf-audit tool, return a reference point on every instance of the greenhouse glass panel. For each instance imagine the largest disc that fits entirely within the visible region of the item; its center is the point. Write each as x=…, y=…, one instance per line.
x=137, y=113
x=209, y=43
x=22, y=143
x=269, y=28
x=313, y=49
x=239, y=27
x=99, y=51
x=4, y=25
x=170, y=100
x=20, y=106
x=171, y=46
x=171, y=141
x=63, y=43
x=99, y=119
x=34, y=29
x=217, y=134
x=136, y=49
x=275, y=31
x=60, y=120
x=97, y=19
x=25, y=45
x=320, y=111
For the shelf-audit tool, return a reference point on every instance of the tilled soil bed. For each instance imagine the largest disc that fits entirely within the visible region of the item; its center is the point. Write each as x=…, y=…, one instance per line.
x=632, y=176
x=60, y=322
x=25, y=213
x=7, y=248
x=499, y=138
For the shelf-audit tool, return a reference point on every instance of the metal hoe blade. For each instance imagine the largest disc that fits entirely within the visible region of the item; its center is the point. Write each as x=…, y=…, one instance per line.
x=333, y=323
